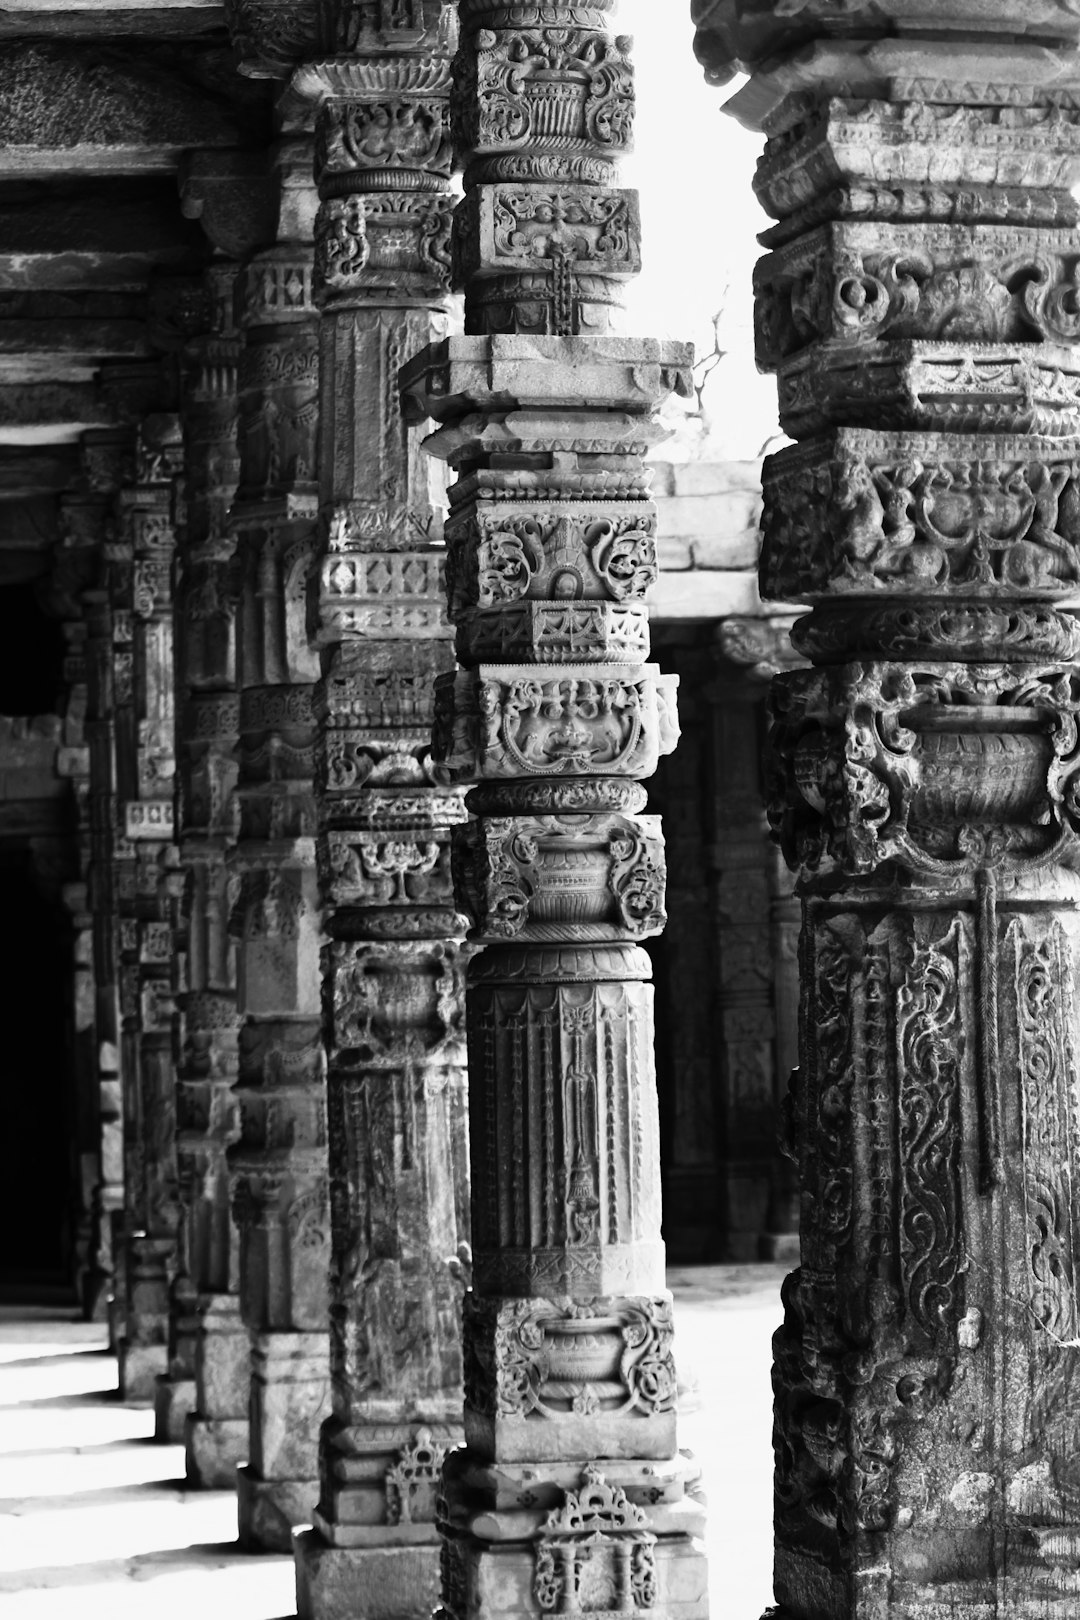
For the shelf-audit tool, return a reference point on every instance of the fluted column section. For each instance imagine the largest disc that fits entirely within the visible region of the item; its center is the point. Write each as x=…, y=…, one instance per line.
x=393, y=964
x=278, y=1165
x=918, y=304
x=571, y=1492
x=204, y=1399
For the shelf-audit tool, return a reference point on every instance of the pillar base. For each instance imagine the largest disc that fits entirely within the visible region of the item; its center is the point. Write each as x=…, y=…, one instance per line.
x=140, y=1365
x=174, y=1398
x=268, y=1509
x=377, y=1582
x=216, y=1430
x=215, y=1448
x=1042, y=1581
x=116, y=1317
x=222, y=1359
x=489, y=1578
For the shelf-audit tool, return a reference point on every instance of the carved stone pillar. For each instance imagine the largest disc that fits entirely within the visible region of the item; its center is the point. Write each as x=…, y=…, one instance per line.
x=278, y=1165
x=393, y=965
x=140, y=590
x=757, y=925
x=918, y=304
x=204, y=1398
x=76, y=563
x=571, y=1493
x=108, y=458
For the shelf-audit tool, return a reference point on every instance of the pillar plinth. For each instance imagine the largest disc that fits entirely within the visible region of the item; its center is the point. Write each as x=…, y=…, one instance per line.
x=555, y=718
x=916, y=298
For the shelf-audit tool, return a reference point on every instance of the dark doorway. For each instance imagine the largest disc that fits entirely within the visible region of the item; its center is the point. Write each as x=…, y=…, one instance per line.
x=37, y=1172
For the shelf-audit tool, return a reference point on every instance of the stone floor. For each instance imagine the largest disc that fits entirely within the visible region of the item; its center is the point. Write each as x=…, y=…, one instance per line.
x=95, y=1519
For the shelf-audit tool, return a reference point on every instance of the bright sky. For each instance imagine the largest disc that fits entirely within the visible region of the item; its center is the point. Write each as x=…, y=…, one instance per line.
x=700, y=219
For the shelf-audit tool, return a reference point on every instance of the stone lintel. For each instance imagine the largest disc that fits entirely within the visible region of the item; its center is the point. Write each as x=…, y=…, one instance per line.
x=44, y=470
x=73, y=19
x=61, y=405
x=69, y=109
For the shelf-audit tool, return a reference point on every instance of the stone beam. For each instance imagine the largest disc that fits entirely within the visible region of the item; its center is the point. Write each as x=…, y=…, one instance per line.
x=53, y=20
x=71, y=109
x=52, y=409
x=918, y=307
x=42, y=470
x=108, y=236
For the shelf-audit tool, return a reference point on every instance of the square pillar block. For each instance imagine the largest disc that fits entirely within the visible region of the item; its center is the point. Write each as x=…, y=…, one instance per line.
x=622, y=1538
x=222, y=1357
x=216, y=1432
x=174, y=1398
x=214, y=1449
x=379, y=1583
x=140, y=1366
x=290, y=1397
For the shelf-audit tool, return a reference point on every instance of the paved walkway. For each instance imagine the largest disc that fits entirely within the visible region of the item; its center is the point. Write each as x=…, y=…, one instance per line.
x=96, y=1521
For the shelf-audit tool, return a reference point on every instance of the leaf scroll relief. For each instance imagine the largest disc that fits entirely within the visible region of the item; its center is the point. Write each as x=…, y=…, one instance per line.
x=1043, y=972
x=932, y=1044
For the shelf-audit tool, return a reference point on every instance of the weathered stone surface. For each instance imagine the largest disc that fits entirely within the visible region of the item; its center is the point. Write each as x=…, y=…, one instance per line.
x=393, y=963
x=277, y=1165
x=916, y=307
x=333, y=1583
x=72, y=108
x=209, y=1345
x=104, y=236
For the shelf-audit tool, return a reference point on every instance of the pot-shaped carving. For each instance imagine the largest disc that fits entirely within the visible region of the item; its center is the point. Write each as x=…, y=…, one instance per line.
x=569, y=87
x=588, y=1351
x=572, y=877
x=978, y=765
x=571, y=884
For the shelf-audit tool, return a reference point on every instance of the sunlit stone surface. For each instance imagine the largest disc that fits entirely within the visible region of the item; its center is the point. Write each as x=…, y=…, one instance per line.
x=95, y=1519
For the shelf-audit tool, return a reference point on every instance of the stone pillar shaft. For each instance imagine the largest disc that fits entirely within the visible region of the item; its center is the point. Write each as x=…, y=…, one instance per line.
x=556, y=716
x=917, y=303
x=393, y=966
x=278, y=1164
x=209, y=1349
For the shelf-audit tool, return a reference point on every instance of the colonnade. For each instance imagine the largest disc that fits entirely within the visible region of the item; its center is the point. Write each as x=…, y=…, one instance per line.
x=301, y=913
x=283, y=869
